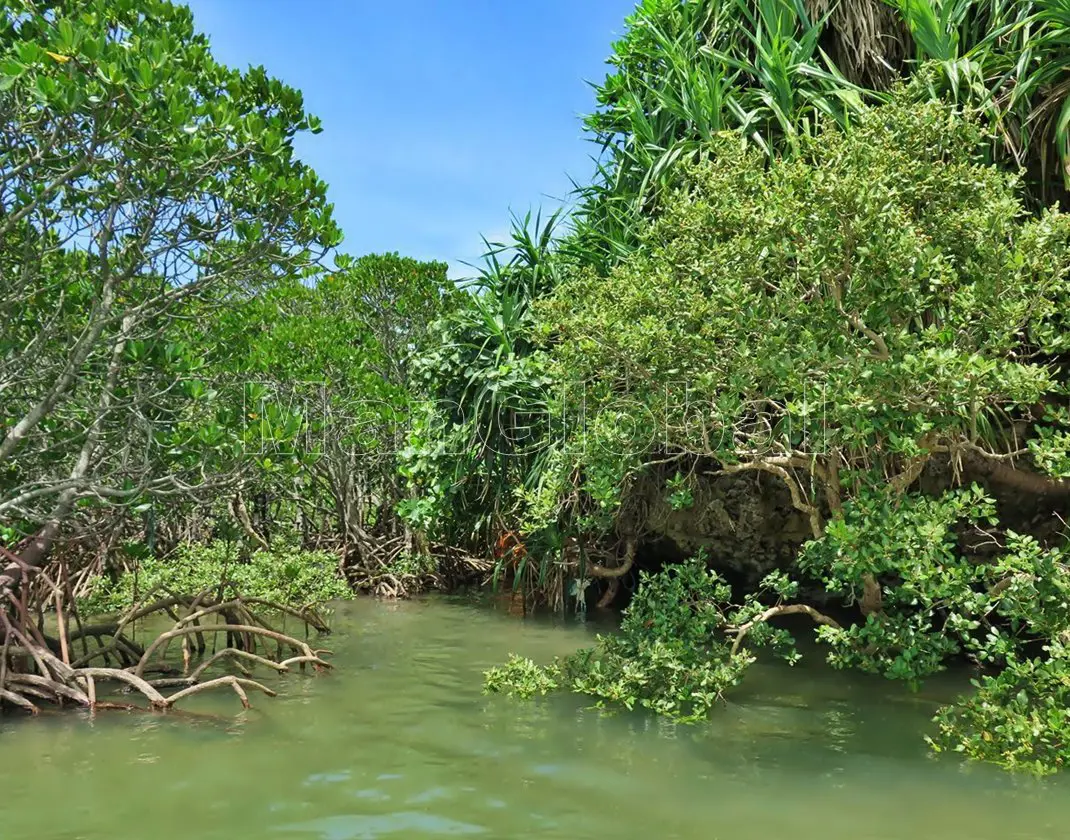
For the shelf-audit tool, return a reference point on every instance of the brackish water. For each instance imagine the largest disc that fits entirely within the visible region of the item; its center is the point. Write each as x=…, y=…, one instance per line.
x=400, y=743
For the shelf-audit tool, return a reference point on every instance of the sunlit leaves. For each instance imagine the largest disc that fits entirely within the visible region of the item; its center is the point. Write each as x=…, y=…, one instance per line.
x=670, y=656
x=136, y=202
x=879, y=287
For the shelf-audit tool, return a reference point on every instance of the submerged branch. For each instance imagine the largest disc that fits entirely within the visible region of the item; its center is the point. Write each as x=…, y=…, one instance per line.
x=237, y=683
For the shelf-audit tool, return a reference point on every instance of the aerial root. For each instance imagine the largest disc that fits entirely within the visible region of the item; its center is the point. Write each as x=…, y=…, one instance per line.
x=18, y=700
x=373, y=569
x=610, y=595
x=239, y=631
x=29, y=668
x=237, y=683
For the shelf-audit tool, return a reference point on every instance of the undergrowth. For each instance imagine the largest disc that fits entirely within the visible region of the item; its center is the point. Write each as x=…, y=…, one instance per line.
x=285, y=575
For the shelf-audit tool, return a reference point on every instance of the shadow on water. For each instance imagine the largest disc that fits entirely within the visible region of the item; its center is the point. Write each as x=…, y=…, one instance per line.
x=401, y=743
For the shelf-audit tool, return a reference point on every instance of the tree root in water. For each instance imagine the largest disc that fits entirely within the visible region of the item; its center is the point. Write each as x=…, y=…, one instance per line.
x=375, y=568
x=32, y=674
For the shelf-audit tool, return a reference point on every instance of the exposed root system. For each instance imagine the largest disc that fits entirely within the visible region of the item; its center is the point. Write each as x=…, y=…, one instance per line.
x=377, y=568
x=216, y=628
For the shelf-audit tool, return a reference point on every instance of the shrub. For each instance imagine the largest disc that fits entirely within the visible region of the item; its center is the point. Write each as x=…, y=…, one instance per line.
x=671, y=655
x=285, y=575
x=1018, y=718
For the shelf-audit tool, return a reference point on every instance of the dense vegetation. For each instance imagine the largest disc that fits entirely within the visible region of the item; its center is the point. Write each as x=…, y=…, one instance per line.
x=179, y=367
x=800, y=350
x=872, y=322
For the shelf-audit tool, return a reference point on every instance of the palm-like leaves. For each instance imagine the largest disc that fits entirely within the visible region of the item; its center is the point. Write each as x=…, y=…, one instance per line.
x=486, y=379
x=788, y=80
x=1012, y=59
x=688, y=69
x=1047, y=86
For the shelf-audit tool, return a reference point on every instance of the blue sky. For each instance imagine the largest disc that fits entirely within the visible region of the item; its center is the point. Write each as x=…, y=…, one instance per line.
x=440, y=116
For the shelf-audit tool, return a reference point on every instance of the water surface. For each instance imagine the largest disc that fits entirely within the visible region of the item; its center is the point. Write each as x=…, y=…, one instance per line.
x=400, y=743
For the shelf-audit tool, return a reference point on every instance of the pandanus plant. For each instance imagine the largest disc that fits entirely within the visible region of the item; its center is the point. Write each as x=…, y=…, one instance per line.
x=769, y=70
x=487, y=389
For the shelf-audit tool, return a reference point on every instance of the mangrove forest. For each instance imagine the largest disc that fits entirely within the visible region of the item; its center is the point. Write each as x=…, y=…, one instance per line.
x=781, y=396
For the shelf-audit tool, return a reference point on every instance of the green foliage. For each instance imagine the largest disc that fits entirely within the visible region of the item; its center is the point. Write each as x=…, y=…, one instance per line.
x=483, y=427
x=877, y=294
x=1051, y=446
x=788, y=263
x=144, y=185
x=1005, y=59
x=685, y=72
x=670, y=655
x=680, y=495
x=769, y=72
x=520, y=677
x=339, y=353
x=1018, y=719
x=411, y=565
x=944, y=604
x=935, y=609
x=286, y=576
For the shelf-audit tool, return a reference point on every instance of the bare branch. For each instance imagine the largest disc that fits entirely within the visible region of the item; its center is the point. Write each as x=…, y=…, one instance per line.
x=774, y=612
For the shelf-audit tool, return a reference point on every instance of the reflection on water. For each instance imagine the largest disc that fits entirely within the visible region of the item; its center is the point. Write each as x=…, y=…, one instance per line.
x=359, y=827
x=400, y=743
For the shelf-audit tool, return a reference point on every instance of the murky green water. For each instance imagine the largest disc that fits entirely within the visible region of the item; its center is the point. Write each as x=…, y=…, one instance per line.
x=399, y=743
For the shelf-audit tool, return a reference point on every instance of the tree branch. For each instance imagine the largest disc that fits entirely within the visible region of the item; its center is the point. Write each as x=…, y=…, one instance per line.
x=774, y=612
